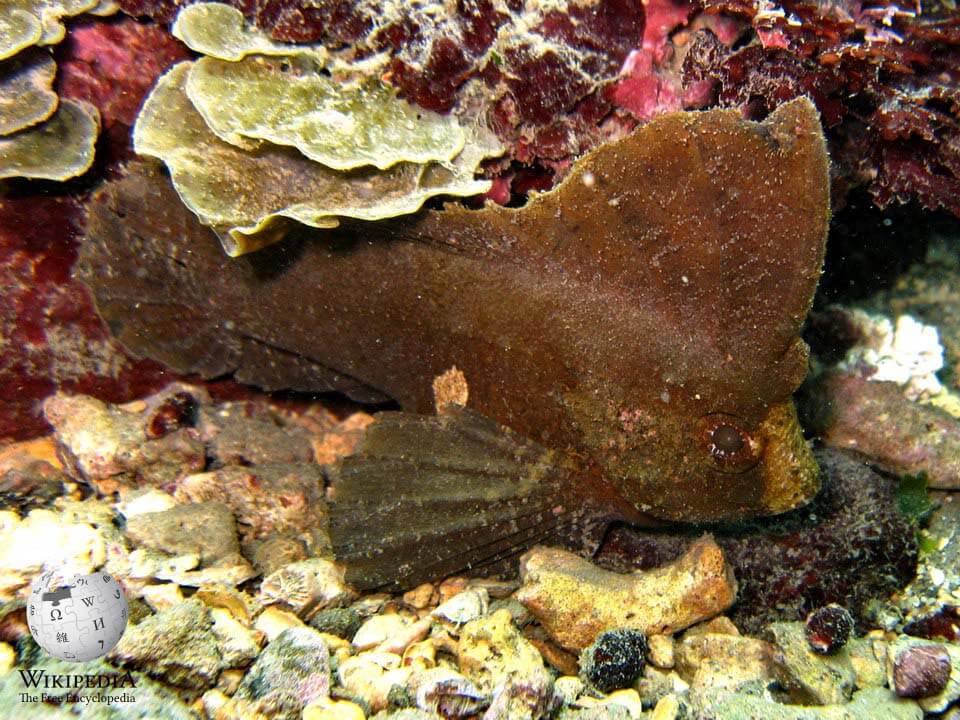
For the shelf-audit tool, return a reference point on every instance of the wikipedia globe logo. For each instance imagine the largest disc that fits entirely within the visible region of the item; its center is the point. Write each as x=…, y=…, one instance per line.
x=78, y=617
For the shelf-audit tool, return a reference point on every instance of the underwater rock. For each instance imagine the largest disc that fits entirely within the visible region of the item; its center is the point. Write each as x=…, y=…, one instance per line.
x=849, y=546
x=282, y=182
x=30, y=485
x=249, y=434
x=342, y=622
x=292, y=672
x=112, y=66
x=57, y=149
x=866, y=704
x=811, y=677
x=927, y=607
x=270, y=501
x=177, y=645
x=875, y=419
x=714, y=660
x=307, y=586
x=294, y=101
x=207, y=529
x=576, y=600
x=109, y=445
x=492, y=651
x=45, y=537
x=26, y=90
x=253, y=318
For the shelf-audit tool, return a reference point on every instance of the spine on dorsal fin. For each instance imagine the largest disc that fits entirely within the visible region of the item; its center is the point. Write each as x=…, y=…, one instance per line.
x=424, y=497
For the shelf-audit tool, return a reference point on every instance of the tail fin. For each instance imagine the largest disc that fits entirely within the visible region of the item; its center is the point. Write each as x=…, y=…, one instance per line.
x=427, y=496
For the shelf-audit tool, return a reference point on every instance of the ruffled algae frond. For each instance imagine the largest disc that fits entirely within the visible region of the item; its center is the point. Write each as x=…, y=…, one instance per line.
x=26, y=90
x=243, y=194
x=58, y=149
x=259, y=133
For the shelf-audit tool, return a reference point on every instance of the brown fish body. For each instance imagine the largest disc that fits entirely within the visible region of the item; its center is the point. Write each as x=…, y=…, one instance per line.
x=643, y=316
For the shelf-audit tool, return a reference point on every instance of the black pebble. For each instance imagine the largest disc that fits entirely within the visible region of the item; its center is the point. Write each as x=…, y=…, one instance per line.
x=615, y=660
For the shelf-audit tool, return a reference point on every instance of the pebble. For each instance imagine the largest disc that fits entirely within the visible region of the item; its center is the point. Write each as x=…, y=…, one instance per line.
x=273, y=621
x=307, y=585
x=290, y=673
x=8, y=658
x=464, y=606
x=237, y=643
x=420, y=597
x=327, y=709
x=109, y=446
x=614, y=660
x=207, y=529
x=661, y=651
x=921, y=671
x=371, y=676
x=667, y=708
x=575, y=600
x=708, y=660
x=342, y=622
x=814, y=678
x=163, y=596
x=177, y=645
x=390, y=633
x=492, y=650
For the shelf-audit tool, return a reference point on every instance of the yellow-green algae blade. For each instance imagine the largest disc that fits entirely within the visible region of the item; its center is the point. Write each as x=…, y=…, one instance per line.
x=26, y=90
x=57, y=149
x=36, y=22
x=103, y=8
x=244, y=195
x=290, y=101
x=221, y=31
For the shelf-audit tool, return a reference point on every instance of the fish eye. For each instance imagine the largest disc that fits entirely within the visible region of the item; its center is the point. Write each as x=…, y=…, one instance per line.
x=728, y=443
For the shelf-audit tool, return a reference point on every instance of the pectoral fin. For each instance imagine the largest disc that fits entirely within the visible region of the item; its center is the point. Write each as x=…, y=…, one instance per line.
x=424, y=497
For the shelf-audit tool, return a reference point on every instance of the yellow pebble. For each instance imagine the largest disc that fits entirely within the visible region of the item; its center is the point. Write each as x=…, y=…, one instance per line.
x=668, y=707
x=326, y=709
x=8, y=658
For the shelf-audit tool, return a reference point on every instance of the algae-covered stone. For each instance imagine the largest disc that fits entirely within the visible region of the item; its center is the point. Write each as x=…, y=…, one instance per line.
x=492, y=651
x=246, y=196
x=290, y=101
x=177, y=645
x=868, y=704
x=220, y=31
x=35, y=22
x=292, y=672
x=26, y=90
x=58, y=149
x=816, y=679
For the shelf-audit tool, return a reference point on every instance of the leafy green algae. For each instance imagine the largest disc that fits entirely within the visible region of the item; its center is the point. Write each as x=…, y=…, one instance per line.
x=26, y=90
x=221, y=31
x=246, y=195
x=58, y=149
x=290, y=101
x=36, y=22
